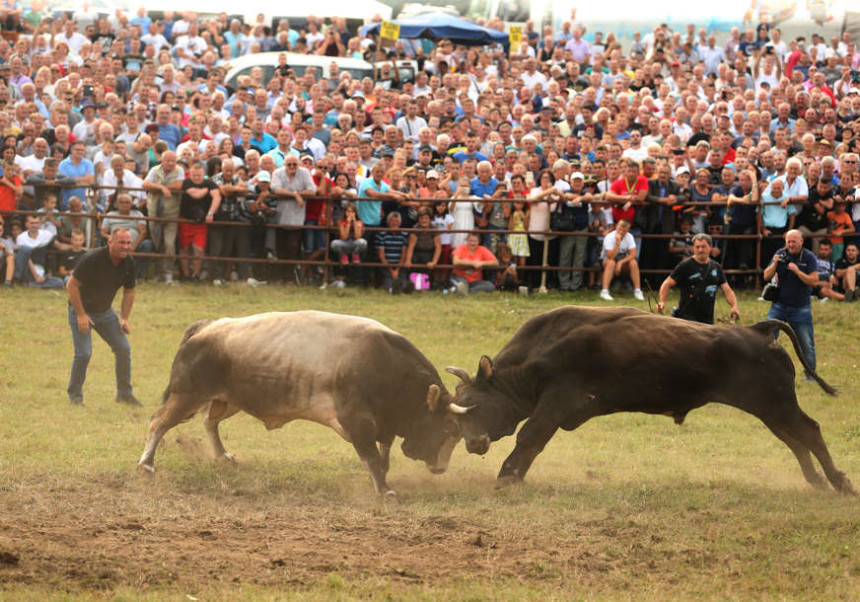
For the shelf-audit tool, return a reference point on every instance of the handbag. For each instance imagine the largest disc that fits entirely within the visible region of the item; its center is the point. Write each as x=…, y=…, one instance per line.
x=562, y=219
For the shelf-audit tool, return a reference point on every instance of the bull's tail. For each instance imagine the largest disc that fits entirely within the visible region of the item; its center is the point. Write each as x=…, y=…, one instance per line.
x=768, y=326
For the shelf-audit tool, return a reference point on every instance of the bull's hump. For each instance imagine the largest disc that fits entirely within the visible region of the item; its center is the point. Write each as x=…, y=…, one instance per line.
x=337, y=323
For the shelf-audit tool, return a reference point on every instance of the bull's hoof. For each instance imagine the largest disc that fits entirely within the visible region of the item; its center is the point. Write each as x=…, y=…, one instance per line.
x=845, y=487
x=389, y=495
x=146, y=470
x=226, y=457
x=506, y=481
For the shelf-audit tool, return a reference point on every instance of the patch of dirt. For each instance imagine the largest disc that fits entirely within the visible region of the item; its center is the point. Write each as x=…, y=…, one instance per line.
x=105, y=535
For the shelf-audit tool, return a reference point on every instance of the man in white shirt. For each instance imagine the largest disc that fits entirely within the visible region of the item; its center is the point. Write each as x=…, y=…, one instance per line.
x=531, y=75
x=410, y=123
x=618, y=255
x=190, y=48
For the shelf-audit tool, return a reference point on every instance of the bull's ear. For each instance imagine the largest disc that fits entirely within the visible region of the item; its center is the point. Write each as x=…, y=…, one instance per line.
x=433, y=395
x=485, y=368
x=459, y=373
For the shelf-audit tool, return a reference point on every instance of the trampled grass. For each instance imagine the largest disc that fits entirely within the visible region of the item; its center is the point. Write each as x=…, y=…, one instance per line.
x=626, y=507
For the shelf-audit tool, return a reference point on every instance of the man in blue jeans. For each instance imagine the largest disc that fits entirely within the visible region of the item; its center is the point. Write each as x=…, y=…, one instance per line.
x=797, y=272
x=92, y=288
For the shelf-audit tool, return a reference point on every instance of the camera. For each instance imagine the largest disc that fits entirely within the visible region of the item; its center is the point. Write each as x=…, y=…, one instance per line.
x=782, y=259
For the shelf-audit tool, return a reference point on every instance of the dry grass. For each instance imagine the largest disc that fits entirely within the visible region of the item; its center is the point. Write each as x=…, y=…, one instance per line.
x=626, y=507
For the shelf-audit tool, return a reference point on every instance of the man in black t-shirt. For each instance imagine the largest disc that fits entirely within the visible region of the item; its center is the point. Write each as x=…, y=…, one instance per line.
x=847, y=268
x=200, y=201
x=92, y=288
x=698, y=277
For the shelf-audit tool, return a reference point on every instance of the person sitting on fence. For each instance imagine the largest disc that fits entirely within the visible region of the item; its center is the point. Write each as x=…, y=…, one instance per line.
x=827, y=279
x=7, y=256
x=350, y=243
x=619, y=257
x=469, y=262
x=31, y=254
x=126, y=217
x=846, y=271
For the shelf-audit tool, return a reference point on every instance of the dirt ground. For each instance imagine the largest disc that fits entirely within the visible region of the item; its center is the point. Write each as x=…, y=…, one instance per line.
x=106, y=536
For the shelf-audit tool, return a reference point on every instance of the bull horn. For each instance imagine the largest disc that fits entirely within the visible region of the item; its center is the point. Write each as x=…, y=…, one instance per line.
x=459, y=373
x=458, y=409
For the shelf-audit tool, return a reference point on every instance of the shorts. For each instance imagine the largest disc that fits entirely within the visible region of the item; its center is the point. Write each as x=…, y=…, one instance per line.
x=192, y=234
x=314, y=239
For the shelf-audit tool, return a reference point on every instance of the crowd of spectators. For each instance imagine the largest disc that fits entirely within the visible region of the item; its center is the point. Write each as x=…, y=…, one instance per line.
x=571, y=132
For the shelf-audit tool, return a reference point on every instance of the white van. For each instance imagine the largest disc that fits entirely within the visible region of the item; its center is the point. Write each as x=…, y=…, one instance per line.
x=357, y=68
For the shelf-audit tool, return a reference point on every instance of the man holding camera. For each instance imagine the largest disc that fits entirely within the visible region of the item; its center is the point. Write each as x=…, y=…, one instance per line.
x=797, y=272
x=698, y=278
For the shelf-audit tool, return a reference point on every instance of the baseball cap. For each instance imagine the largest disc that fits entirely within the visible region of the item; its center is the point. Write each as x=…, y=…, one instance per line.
x=432, y=174
x=425, y=147
x=577, y=176
x=264, y=176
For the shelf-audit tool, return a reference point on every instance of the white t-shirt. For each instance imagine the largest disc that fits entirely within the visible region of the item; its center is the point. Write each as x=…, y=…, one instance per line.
x=628, y=244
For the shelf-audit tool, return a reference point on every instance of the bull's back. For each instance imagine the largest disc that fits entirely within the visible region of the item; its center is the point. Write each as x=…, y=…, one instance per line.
x=270, y=363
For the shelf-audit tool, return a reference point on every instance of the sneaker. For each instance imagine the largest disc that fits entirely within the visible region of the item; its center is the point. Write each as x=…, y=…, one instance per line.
x=217, y=282
x=637, y=294
x=344, y=259
x=254, y=283
x=339, y=284
x=462, y=288
x=130, y=400
x=604, y=294
x=856, y=293
x=7, y=285
x=823, y=300
x=850, y=295
x=271, y=256
x=356, y=258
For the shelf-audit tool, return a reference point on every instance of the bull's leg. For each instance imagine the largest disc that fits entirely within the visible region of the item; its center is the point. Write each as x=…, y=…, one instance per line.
x=361, y=429
x=808, y=433
x=384, y=453
x=539, y=429
x=218, y=411
x=531, y=439
x=802, y=435
x=804, y=458
x=176, y=409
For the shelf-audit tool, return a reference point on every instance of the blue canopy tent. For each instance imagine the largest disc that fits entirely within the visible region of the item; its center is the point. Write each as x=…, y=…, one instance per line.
x=440, y=26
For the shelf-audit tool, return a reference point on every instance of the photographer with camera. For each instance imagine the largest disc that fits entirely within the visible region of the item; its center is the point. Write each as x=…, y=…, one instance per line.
x=796, y=270
x=698, y=278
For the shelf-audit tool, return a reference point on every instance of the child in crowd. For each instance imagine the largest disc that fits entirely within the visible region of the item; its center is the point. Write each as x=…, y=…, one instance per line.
x=443, y=220
x=519, y=222
x=71, y=257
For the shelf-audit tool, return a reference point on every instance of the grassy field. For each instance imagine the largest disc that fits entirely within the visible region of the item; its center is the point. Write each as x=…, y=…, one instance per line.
x=628, y=507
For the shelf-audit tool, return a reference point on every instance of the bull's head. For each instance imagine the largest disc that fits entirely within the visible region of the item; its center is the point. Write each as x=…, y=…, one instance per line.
x=473, y=405
x=435, y=434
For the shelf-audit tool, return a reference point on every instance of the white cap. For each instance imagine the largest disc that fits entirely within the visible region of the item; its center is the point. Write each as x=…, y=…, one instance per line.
x=431, y=173
x=577, y=175
x=683, y=169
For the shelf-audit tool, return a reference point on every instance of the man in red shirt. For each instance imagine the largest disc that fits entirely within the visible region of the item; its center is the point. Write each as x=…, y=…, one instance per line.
x=628, y=192
x=469, y=262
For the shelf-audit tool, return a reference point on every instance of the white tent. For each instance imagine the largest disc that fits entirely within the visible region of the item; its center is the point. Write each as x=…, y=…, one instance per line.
x=351, y=9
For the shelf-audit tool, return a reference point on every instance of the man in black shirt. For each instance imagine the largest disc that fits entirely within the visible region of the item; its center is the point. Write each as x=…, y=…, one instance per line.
x=847, y=268
x=92, y=288
x=698, y=277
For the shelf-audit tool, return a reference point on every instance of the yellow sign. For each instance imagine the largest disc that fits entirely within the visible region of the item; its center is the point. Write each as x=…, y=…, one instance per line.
x=515, y=35
x=389, y=31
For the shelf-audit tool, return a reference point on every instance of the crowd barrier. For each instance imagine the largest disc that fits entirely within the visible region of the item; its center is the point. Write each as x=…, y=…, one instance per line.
x=328, y=262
